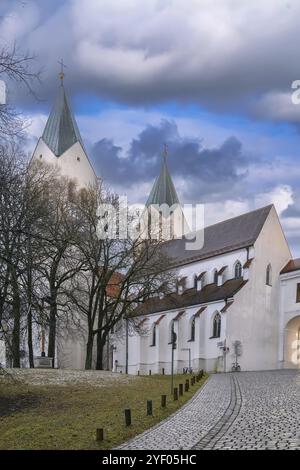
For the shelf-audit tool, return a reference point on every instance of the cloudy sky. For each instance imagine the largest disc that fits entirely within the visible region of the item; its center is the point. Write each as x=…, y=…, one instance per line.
x=212, y=78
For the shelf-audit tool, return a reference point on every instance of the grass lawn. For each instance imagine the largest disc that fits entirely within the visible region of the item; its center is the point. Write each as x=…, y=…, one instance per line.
x=66, y=416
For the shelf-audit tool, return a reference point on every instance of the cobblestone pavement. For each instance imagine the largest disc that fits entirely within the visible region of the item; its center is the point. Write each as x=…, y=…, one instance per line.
x=192, y=422
x=269, y=416
x=246, y=410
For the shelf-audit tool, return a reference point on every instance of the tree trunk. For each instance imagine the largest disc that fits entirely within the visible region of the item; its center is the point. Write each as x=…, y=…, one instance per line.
x=89, y=352
x=100, y=350
x=29, y=338
x=52, y=326
x=16, y=311
x=29, y=301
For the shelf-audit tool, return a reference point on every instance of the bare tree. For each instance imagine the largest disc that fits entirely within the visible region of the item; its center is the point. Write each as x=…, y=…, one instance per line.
x=116, y=275
x=16, y=66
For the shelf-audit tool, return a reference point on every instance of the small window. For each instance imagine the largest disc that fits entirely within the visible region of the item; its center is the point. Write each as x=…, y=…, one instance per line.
x=181, y=285
x=217, y=326
x=78, y=159
x=41, y=156
x=153, y=343
x=269, y=275
x=216, y=276
x=298, y=293
x=193, y=325
x=195, y=281
x=237, y=270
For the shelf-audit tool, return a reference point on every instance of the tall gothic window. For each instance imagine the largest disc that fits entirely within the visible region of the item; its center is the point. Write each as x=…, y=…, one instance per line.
x=237, y=270
x=217, y=325
x=172, y=231
x=269, y=275
x=193, y=325
x=298, y=293
x=195, y=281
x=216, y=276
x=153, y=335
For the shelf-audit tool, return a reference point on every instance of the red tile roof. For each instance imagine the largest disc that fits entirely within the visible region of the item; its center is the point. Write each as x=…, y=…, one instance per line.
x=201, y=310
x=226, y=306
x=248, y=263
x=292, y=265
x=209, y=293
x=222, y=270
x=159, y=319
x=179, y=314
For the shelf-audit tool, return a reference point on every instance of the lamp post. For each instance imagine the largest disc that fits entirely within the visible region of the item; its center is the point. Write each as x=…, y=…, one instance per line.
x=126, y=365
x=173, y=346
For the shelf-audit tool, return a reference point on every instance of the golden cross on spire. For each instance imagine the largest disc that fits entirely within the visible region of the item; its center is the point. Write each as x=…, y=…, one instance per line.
x=62, y=66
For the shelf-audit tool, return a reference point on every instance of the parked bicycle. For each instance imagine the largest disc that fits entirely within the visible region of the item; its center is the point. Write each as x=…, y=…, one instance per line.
x=236, y=367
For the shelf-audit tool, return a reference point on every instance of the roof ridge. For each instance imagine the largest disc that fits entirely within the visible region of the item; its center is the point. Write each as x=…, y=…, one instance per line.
x=269, y=206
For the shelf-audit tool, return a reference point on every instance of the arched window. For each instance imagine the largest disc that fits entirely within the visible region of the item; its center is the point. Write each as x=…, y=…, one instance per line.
x=217, y=325
x=160, y=225
x=153, y=343
x=192, y=330
x=172, y=230
x=269, y=275
x=195, y=281
x=216, y=276
x=237, y=270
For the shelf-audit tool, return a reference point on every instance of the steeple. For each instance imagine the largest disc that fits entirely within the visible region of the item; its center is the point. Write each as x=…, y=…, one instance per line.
x=61, y=144
x=61, y=130
x=163, y=190
x=168, y=220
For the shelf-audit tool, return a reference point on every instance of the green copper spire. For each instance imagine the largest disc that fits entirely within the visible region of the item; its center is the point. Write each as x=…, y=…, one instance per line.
x=163, y=191
x=61, y=130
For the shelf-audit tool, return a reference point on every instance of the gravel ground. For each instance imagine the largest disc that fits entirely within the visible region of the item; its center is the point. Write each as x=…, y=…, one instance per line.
x=95, y=378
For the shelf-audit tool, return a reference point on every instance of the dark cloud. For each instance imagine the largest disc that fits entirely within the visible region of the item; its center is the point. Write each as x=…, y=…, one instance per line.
x=225, y=55
x=204, y=171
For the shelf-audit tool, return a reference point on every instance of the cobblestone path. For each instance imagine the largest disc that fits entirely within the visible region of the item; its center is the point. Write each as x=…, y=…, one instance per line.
x=246, y=410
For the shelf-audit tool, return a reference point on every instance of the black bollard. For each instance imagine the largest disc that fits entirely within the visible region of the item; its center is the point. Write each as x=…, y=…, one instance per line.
x=163, y=371
x=99, y=434
x=128, y=417
x=187, y=385
x=175, y=393
x=149, y=407
x=163, y=401
x=180, y=390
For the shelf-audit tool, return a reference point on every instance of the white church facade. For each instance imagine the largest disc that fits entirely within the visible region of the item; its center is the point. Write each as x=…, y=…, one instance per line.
x=242, y=285
x=238, y=287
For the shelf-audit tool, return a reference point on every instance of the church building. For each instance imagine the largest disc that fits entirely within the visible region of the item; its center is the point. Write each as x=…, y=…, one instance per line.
x=241, y=288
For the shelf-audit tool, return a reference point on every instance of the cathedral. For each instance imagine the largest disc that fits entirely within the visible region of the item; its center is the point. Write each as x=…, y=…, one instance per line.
x=237, y=299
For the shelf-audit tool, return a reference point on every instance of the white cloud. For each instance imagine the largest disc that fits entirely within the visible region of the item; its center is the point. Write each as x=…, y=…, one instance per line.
x=278, y=106
x=280, y=196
